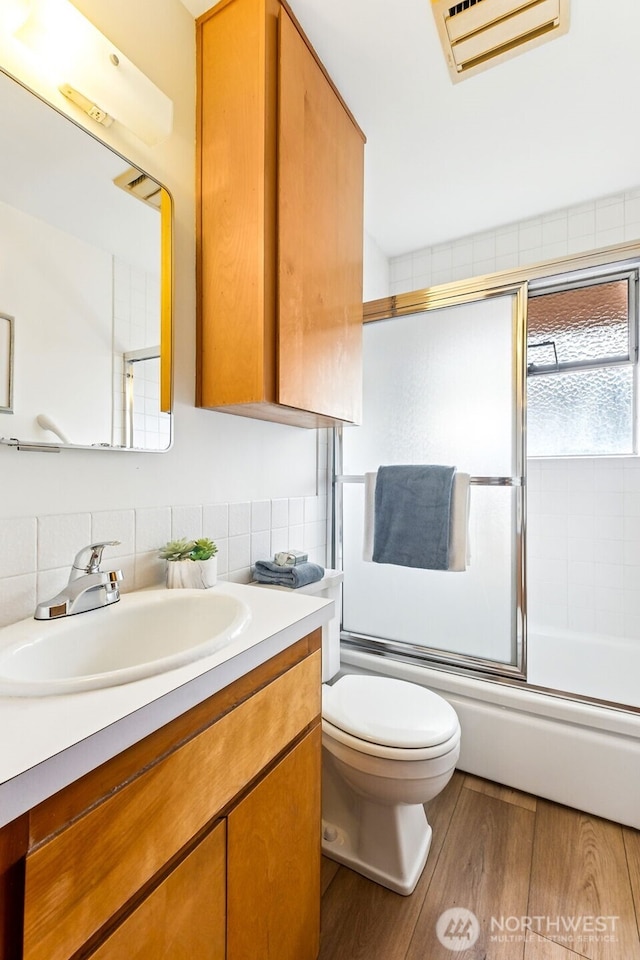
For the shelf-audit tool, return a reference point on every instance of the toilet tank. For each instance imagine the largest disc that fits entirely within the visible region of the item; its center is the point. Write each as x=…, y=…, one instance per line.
x=330, y=587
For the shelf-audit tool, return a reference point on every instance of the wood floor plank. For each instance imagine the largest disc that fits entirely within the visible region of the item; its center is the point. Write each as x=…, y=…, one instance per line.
x=362, y=920
x=329, y=870
x=580, y=870
x=499, y=792
x=541, y=949
x=631, y=840
x=484, y=867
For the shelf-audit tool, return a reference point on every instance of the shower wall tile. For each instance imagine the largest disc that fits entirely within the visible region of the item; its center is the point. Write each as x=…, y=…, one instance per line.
x=631, y=504
x=555, y=231
x=610, y=551
x=559, y=233
x=592, y=554
x=462, y=251
x=400, y=268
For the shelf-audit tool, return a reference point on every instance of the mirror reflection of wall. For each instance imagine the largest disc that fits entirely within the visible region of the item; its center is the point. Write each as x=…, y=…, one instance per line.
x=80, y=270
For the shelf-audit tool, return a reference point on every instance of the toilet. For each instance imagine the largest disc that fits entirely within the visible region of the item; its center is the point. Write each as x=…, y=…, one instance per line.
x=389, y=746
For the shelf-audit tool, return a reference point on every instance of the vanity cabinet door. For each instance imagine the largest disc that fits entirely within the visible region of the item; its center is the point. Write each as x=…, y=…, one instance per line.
x=184, y=917
x=273, y=869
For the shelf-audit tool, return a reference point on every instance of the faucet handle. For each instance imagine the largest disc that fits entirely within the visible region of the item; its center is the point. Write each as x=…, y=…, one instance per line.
x=88, y=559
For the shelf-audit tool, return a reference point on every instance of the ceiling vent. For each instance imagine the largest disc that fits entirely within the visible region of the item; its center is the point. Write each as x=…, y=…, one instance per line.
x=475, y=34
x=140, y=185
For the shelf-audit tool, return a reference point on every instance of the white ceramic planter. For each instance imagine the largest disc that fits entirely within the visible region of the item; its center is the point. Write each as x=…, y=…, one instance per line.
x=192, y=574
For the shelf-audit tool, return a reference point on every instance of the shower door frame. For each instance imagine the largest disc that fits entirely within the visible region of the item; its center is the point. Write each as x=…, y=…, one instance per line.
x=424, y=301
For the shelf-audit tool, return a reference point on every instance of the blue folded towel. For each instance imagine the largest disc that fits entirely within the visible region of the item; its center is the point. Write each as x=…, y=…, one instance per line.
x=412, y=516
x=265, y=571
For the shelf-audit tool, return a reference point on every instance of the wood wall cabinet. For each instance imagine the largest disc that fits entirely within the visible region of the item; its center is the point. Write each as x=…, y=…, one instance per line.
x=280, y=224
x=201, y=841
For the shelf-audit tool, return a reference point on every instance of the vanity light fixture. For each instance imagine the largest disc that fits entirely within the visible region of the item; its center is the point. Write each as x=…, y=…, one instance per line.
x=87, y=69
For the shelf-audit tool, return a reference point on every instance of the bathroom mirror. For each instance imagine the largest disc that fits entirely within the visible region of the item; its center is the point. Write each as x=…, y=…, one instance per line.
x=85, y=273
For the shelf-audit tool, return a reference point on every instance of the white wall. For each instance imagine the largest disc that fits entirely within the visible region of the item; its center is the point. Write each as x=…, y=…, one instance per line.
x=376, y=270
x=53, y=282
x=583, y=517
x=217, y=459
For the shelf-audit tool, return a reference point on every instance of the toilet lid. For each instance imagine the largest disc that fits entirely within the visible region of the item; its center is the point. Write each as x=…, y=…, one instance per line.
x=387, y=711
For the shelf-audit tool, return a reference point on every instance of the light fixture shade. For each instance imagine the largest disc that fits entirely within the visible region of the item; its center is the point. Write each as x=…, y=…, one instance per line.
x=13, y=14
x=74, y=54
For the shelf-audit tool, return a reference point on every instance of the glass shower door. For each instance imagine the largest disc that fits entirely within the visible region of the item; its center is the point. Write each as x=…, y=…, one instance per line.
x=443, y=386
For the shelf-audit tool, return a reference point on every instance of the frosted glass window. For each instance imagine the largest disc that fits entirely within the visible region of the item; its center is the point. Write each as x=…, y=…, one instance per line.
x=581, y=358
x=439, y=388
x=585, y=413
x=585, y=323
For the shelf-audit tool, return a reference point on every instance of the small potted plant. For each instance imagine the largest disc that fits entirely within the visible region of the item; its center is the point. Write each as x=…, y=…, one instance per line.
x=190, y=563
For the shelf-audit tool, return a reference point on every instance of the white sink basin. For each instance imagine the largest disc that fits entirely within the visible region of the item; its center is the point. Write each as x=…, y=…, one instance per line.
x=143, y=634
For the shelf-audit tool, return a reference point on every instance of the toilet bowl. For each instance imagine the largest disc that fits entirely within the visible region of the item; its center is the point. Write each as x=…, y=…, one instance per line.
x=388, y=746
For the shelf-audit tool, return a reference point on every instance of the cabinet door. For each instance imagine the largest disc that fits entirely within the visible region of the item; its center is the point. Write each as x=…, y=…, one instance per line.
x=320, y=203
x=273, y=869
x=184, y=917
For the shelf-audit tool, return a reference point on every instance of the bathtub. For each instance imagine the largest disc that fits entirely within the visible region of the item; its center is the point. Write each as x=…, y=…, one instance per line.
x=583, y=755
x=598, y=666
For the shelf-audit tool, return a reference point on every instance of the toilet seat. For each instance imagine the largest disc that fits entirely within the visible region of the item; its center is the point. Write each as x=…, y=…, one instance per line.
x=383, y=752
x=389, y=718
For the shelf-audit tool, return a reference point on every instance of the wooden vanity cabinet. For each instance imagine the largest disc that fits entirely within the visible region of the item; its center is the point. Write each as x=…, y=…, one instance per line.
x=185, y=915
x=201, y=841
x=280, y=224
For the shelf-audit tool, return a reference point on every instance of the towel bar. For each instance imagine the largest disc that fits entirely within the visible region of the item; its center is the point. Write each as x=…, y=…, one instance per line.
x=477, y=481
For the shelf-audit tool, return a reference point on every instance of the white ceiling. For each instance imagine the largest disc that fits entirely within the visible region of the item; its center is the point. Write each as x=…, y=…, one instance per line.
x=555, y=126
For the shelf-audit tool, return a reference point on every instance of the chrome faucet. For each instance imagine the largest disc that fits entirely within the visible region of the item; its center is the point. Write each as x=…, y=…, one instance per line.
x=88, y=588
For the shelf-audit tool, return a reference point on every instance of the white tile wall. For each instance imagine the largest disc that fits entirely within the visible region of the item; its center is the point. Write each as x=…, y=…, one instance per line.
x=584, y=545
x=36, y=553
x=601, y=223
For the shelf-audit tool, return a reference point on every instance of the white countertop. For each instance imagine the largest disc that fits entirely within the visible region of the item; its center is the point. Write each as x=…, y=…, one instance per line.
x=48, y=742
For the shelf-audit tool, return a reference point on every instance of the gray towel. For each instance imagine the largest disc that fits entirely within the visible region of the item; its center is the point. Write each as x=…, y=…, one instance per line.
x=413, y=515
x=266, y=571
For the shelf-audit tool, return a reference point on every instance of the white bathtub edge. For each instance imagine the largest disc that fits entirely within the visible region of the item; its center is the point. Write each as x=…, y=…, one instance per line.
x=578, y=754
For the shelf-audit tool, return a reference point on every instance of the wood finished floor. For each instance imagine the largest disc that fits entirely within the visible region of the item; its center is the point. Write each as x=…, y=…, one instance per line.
x=501, y=854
